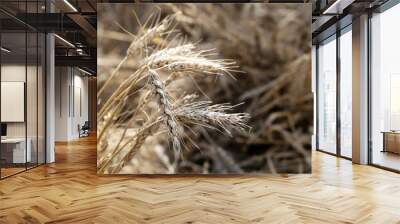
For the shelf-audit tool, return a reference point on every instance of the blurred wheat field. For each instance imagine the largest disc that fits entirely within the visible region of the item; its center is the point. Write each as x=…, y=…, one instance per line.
x=204, y=88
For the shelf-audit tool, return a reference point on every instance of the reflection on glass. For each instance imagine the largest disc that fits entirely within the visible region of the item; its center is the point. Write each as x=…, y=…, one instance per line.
x=31, y=97
x=327, y=96
x=41, y=99
x=14, y=153
x=346, y=93
x=22, y=90
x=385, y=84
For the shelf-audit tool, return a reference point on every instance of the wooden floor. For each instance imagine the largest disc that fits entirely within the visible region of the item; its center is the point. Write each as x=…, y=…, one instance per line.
x=5, y=172
x=387, y=159
x=8, y=171
x=69, y=191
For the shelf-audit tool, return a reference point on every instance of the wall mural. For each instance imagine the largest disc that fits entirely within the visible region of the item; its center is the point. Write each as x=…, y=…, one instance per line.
x=204, y=88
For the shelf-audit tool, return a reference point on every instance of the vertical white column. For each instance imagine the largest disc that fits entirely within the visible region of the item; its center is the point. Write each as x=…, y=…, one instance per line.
x=360, y=90
x=50, y=93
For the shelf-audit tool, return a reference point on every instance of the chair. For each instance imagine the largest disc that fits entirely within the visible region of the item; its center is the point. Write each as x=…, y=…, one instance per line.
x=84, y=130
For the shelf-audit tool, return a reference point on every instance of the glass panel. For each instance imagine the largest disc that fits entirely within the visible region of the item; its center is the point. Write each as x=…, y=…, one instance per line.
x=327, y=96
x=385, y=84
x=41, y=98
x=346, y=94
x=32, y=88
x=13, y=89
x=31, y=99
x=22, y=88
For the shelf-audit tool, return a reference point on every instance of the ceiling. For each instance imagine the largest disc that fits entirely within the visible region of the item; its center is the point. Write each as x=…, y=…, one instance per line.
x=74, y=22
x=330, y=15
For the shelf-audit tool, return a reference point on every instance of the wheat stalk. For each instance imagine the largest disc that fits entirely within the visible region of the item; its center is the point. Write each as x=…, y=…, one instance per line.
x=138, y=44
x=204, y=113
x=275, y=88
x=140, y=138
x=175, y=115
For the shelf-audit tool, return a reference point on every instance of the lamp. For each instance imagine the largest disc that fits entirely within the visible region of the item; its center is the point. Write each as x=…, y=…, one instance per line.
x=5, y=50
x=65, y=41
x=70, y=5
x=84, y=71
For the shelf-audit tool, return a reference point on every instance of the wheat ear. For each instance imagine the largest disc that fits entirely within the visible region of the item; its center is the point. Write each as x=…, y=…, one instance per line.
x=174, y=130
x=149, y=35
x=138, y=44
x=185, y=58
x=208, y=115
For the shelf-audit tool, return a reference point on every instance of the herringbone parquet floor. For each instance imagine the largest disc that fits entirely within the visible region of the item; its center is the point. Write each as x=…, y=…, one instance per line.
x=69, y=191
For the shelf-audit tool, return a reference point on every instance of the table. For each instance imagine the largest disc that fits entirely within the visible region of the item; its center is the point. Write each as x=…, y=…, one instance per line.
x=391, y=141
x=13, y=150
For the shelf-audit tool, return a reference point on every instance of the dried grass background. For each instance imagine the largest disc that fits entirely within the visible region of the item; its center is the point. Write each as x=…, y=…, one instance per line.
x=271, y=43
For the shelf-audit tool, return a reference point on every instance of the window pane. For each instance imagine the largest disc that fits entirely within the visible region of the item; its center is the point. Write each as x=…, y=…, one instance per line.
x=386, y=88
x=327, y=96
x=346, y=94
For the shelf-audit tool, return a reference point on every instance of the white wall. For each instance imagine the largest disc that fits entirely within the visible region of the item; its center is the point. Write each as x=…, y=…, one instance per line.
x=80, y=89
x=12, y=73
x=15, y=73
x=62, y=81
x=70, y=83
